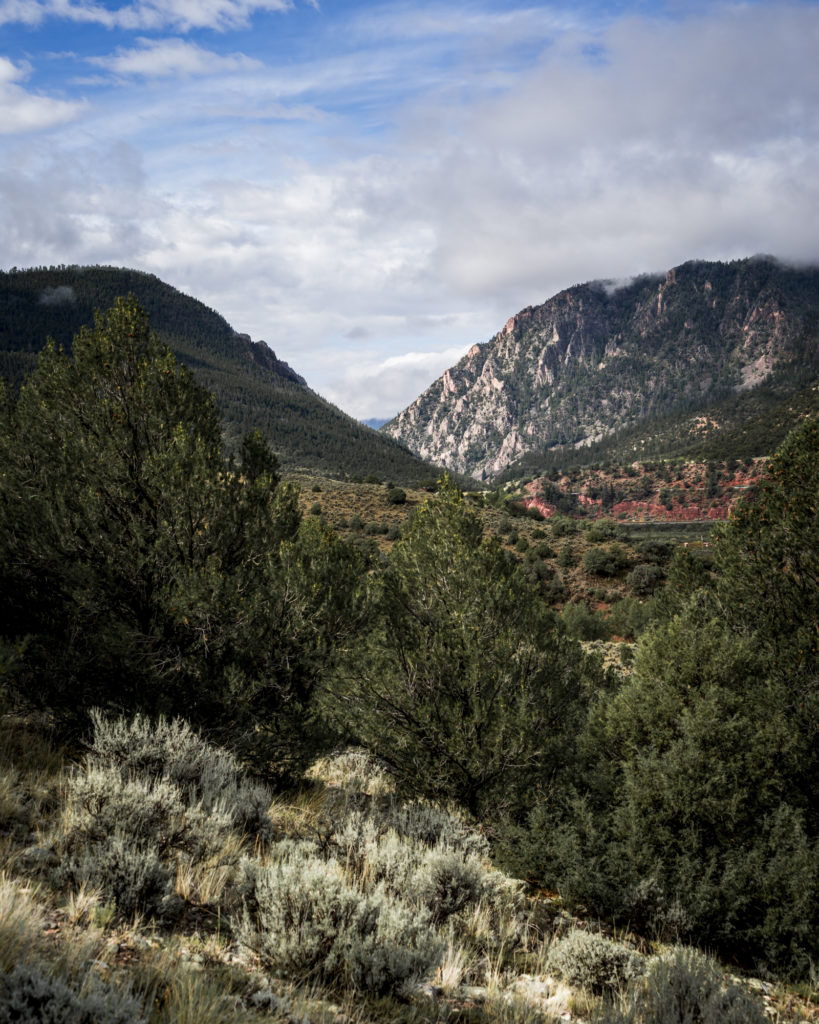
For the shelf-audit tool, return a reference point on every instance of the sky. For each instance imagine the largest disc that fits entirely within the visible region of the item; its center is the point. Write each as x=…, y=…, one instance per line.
x=373, y=187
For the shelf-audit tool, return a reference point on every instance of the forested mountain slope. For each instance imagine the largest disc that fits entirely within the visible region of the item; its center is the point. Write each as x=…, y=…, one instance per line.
x=253, y=388
x=602, y=360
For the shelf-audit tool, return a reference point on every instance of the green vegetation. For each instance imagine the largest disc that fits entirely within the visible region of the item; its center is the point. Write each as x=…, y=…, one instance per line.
x=461, y=685
x=696, y=813
x=170, y=612
x=141, y=569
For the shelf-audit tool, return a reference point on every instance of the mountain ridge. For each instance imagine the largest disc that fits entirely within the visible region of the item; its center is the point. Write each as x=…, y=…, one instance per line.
x=252, y=386
x=602, y=356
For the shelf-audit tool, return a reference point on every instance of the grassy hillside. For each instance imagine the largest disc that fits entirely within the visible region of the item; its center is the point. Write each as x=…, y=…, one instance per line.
x=253, y=388
x=642, y=512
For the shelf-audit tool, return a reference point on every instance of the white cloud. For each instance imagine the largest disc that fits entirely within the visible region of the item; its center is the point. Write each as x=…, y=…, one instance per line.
x=154, y=58
x=26, y=12
x=385, y=387
x=154, y=15
x=22, y=111
x=353, y=205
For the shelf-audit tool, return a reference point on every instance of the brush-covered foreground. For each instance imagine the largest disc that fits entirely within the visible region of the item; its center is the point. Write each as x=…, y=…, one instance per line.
x=150, y=880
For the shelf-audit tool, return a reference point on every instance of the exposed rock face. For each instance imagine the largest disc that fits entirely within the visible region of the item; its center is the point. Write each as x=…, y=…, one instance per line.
x=592, y=360
x=264, y=356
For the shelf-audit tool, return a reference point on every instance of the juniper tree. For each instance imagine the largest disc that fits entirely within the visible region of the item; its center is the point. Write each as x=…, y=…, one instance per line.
x=146, y=571
x=697, y=810
x=465, y=688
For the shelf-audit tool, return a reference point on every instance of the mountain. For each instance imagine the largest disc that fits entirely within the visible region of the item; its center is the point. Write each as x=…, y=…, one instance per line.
x=602, y=362
x=253, y=387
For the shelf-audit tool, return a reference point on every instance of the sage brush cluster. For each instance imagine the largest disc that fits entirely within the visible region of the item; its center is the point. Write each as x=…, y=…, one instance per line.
x=363, y=909
x=149, y=795
x=594, y=962
x=305, y=918
x=685, y=986
x=30, y=995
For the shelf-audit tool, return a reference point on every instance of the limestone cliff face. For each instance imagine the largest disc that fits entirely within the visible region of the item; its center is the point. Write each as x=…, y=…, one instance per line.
x=593, y=359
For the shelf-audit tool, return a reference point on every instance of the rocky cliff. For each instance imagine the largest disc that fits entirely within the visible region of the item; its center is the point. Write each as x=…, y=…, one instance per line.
x=598, y=358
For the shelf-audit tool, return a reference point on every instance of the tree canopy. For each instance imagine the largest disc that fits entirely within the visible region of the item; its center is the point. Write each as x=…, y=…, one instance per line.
x=143, y=570
x=696, y=812
x=464, y=687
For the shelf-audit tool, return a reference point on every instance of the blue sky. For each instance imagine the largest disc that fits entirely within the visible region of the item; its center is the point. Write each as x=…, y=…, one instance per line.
x=373, y=187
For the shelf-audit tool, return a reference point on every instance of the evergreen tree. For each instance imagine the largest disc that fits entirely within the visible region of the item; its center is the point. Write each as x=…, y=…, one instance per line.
x=465, y=689
x=697, y=812
x=146, y=571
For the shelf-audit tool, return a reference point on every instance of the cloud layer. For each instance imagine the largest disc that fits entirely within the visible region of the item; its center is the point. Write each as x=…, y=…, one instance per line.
x=373, y=190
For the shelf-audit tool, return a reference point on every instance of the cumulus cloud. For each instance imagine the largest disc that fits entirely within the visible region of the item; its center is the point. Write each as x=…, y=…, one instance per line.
x=89, y=205
x=155, y=58
x=22, y=111
x=415, y=186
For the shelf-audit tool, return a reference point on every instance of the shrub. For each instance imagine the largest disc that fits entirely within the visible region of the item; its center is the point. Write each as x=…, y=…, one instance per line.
x=316, y=488
x=584, y=624
x=538, y=571
x=603, y=529
x=315, y=508
x=393, y=532
x=554, y=590
x=150, y=813
x=130, y=876
x=605, y=561
x=205, y=774
x=396, y=496
x=355, y=523
x=28, y=995
x=544, y=550
x=356, y=782
x=446, y=882
x=655, y=550
x=628, y=617
x=522, y=545
x=304, y=919
x=686, y=986
x=562, y=527
x=440, y=879
x=594, y=962
x=433, y=826
x=566, y=559
x=372, y=528
x=643, y=580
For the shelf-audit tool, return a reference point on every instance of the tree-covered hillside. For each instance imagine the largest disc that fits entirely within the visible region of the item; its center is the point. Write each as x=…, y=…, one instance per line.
x=253, y=389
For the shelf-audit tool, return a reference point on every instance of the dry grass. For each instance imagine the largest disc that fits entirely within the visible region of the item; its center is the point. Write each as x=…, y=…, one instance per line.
x=21, y=922
x=493, y=968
